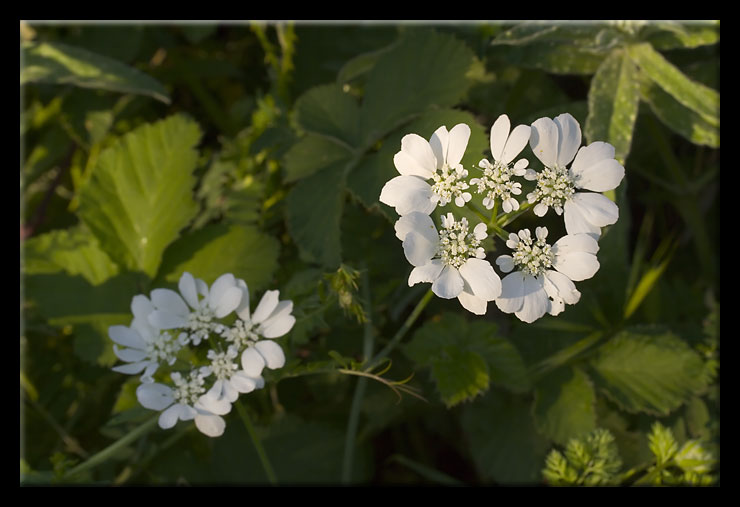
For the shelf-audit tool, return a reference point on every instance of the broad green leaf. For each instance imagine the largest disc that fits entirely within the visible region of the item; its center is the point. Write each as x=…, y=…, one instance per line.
x=57, y=63
x=664, y=35
x=693, y=95
x=328, y=111
x=210, y=252
x=74, y=250
x=465, y=357
x=140, y=194
x=314, y=212
x=645, y=370
x=679, y=118
x=613, y=101
x=662, y=443
x=424, y=69
x=503, y=441
x=564, y=405
x=310, y=154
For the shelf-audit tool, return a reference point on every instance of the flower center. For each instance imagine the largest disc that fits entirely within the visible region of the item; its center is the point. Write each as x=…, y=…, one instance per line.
x=241, y=334
x=164, y=348
x=188, y=390
x=449, y=183
x=554, y=187
x=222, y=363
x=456, y=244
x=200, y=324
x=533, y=256
x=496, y=182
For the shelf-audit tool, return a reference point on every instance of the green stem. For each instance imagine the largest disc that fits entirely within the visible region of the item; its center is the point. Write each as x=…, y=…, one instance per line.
x=354, y=414
x=402, y=331
x=257, y=444
x=506, y=218
x=109, y=451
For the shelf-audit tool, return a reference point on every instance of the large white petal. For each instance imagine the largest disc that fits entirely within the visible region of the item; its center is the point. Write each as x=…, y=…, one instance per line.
x=482, y=279
x=416, y=221
x=515, y=144
x=126, y=336
x=472, y=303
x=210, y=403
x=166, y=320
x=228, y=302
x=595, y=168
x=558, y=284
x=575, y=243
x=409, y=166
x=252, y=362
x=279, y=325
x=418, y=248
x=131, y=368
x=426, y=273
x=499, y=134
x=569, y=133
x=266, y=306
x=449, y=284
x=210, y=425
x=243, y=383
x=544, y=141
x=188, y=289
x=272, y=352
x=154, y=396
x=439, y=142
x=243, y=309
x=408, y=194
x=129, y=355
x=512, y=293
x=535, y=301
x=141, y=307
x=459, y=136
x=596, y=208
x=418, y=149
x=169, y=301
x=577, y=265
x=576, y=222
x=219, y=288
x=169, y=417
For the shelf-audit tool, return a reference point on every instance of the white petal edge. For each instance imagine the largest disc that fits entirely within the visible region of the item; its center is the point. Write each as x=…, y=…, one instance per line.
x=272, y=353
x=449, y=284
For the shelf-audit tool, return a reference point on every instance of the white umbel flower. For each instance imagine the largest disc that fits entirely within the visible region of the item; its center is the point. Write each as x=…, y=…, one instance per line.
x=556, y=142
x=187, y=311
x=496, y=181
x=146, y=347
x=187, y=401
x=543, y=282
x=430, y=172
x=452, y=260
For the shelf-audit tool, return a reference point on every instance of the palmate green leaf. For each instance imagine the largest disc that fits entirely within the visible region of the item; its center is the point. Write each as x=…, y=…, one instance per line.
x=140, y=194
x=328, y=111
x=651, y=371
x=564, y=405
x=58, y=63
x=613, y=101
x=312, y=153
x=466, y=357
x=695, y=96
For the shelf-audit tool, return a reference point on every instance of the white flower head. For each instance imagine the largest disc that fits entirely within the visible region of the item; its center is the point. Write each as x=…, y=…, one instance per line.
x=196, y=307
x=146, y=347
x=556, y=142
x=431, y=173
x=543, y=282
x=452, y=259
x=187, y=401
x=496, y=181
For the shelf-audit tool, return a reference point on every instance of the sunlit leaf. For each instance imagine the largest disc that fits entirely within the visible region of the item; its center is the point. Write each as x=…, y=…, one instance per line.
x=564, y=405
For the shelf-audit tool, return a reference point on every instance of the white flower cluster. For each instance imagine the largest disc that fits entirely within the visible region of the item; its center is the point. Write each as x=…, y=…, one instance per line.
x=541, y=275
x=203, y=345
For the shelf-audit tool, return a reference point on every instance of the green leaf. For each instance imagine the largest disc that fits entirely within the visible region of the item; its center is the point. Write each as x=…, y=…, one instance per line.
x=662, y=443
x=664, y=35
x=57, y=63
x=328, y=111
x=693, y=457
x=74, y=250
x=465, y=357
x=648, y=371
x=693, y=95
x=310, y=154
x=502, y=439
x=424, y=69
x=210, y=252
x=564, y=405
x=140, y=194
x=314, y=212
x=613, y=101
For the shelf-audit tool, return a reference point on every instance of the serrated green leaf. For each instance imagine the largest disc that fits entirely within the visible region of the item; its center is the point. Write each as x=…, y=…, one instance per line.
x=564, y=405
x=424, y=69
x=613, y=101
x=140, y=194
x=648, y=371
x=74, y=250
x=460, y=375
x=503, y=441
x=310, y=154
x=328, y=111
x=662, y=443
x=208, y=253
x=695, y=96
x=314, y=212
x=57, y=63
